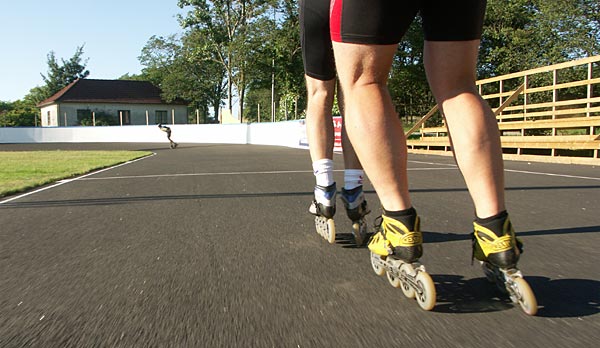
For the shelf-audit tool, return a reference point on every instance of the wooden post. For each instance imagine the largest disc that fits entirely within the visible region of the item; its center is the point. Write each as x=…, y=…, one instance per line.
x=525, y=97
x=94, y=118
x=501, y=99
x=172, y=116
x=554, y=95
x=589, y=96
x=258, y=112
x=147, y=121
x=121, y=117
x=65, y=119
x=197, y=116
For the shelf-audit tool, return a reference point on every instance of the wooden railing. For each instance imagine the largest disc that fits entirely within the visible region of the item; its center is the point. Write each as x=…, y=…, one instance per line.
x=549, y=114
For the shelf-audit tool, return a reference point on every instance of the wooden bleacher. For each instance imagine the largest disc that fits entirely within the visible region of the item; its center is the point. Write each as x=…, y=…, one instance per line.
x=548, y=114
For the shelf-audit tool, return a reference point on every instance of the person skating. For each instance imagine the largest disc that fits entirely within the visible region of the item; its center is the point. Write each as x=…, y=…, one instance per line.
x=366, y=36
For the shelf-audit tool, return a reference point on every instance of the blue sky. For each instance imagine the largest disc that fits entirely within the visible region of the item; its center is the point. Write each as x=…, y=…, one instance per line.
x=113, y=32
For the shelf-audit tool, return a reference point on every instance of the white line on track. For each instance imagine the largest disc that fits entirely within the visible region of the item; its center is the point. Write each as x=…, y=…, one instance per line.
x=225, y=173
x=61, y=182
x=551, y=174
x=519, y=171
x=86, y=177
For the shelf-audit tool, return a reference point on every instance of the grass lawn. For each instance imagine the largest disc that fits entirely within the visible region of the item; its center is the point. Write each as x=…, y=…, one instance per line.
x=22, y=170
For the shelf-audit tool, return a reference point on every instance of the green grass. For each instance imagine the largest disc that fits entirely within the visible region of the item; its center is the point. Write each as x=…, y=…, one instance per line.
x=23, y=170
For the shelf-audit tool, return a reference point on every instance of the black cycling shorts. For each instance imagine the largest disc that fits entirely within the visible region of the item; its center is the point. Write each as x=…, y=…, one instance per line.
x=317, y=52
x=384, y=22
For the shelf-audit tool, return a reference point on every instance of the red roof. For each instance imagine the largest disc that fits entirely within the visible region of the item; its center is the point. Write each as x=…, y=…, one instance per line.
x=109, y=91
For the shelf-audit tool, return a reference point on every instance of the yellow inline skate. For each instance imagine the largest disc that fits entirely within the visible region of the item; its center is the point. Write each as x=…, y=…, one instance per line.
x=395, y=251
x=498, y=254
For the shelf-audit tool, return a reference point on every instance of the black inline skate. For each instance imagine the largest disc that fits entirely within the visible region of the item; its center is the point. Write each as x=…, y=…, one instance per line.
x=395, y=251
x=356, y=209
x=323, y=207
x=498, y=254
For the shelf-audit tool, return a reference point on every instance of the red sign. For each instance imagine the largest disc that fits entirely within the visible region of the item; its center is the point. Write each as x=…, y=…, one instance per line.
x=337, y=131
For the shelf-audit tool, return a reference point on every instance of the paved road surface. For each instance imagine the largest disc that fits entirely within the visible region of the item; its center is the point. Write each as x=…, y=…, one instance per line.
x=212, y=246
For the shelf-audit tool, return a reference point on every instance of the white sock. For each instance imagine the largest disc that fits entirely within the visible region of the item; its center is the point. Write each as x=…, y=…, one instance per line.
x=353, y=178
x=323, y=170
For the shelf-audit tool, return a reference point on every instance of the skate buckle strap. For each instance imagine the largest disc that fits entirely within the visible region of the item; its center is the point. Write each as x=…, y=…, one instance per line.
x=400, y=234
x=489, y=242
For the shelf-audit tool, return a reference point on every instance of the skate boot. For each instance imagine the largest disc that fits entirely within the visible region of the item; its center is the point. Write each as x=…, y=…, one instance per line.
x=395, y=250
x=498, y=251
x=356, y=209
x=323, y=207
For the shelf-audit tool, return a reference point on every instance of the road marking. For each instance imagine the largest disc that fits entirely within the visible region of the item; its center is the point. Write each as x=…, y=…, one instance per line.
x=226, y=173
x=520, y=171
x=551, y=174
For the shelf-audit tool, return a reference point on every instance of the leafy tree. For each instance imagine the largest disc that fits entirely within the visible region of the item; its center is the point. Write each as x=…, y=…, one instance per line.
x=228, y=26
x=60, y=75
x=524, y=34
x=184, y=71
x=18, y=114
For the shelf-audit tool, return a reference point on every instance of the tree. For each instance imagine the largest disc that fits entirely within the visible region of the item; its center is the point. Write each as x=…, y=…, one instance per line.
x=227, y=26
x=524, y=34
x=18, y=114
x=61, y=75
x=183, y=70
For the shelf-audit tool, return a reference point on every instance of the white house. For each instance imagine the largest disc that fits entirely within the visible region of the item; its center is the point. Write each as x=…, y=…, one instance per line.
x=120, y=102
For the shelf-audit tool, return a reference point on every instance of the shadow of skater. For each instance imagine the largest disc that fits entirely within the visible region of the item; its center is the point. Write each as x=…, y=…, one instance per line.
x=168, y=131
x=560, y=298
x=566, y=298
x=458, y=295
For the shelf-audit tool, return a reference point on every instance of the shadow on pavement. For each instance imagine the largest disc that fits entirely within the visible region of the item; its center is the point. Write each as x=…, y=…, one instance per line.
x=558, y=298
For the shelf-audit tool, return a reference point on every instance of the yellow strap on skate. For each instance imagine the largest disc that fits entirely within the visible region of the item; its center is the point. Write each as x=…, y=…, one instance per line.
x=398, y=235
x=379, y=245
x=489, y=242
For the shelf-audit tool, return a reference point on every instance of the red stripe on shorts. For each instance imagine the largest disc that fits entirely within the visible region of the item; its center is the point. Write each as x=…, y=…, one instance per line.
x=335, y=20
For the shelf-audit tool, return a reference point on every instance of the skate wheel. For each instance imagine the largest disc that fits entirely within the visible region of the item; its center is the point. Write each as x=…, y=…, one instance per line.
x=525, y=296
x=376, y=263
x=359, y=229
x=395, y=282
x=330, y=231
x=321, y=225
x=427, y=296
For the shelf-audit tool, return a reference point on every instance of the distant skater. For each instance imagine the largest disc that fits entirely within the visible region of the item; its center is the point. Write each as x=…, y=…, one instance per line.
x=168, y=131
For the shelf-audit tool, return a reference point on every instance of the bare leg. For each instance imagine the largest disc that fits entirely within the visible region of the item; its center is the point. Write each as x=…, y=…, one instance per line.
x=371, y=122
x=450, y=70
x=351, y=161
x=319, y=124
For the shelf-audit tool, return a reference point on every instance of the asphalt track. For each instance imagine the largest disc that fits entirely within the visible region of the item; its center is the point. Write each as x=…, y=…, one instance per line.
x=212, y=246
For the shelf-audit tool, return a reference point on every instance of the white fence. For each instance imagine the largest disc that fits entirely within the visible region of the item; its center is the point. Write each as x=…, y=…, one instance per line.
x=290, y=134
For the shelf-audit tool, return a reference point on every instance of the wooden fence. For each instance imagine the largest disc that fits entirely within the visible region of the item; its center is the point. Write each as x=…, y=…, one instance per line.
x=548, y=114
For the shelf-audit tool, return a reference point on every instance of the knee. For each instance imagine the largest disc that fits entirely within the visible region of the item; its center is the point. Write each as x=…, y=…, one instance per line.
x=320, y=93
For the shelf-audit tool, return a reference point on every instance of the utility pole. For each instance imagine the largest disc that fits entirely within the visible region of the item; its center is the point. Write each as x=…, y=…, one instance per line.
x=273, y=77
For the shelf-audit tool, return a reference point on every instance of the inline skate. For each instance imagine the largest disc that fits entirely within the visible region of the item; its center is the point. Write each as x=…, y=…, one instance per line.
x=498, y=254
x=395, y=251
x=356, y=209
x=323, y=207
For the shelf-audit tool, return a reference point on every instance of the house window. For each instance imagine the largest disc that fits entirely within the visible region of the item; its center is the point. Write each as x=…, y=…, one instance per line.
x=160, y=116
x=125, y=116
x=84, y=117
x=49, y=118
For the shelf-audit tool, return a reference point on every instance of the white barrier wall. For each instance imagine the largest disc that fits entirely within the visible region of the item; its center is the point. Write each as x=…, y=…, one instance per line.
x=290, y=133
